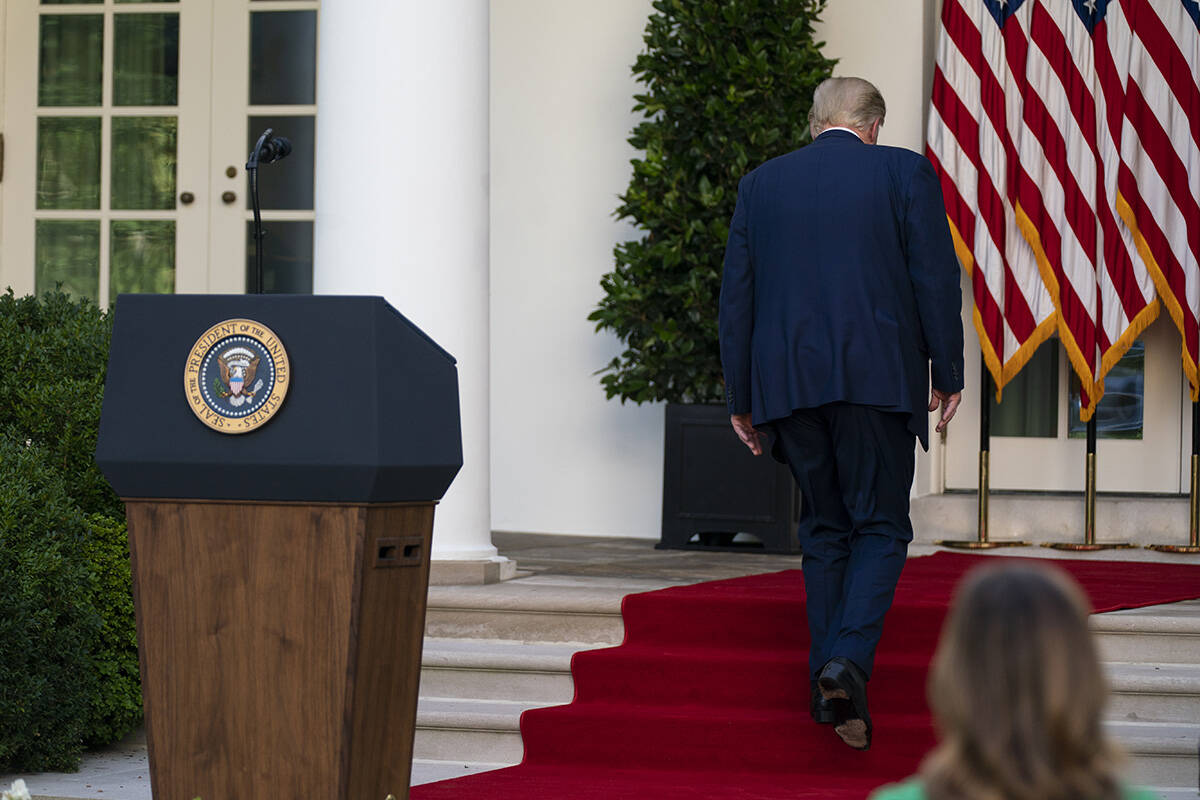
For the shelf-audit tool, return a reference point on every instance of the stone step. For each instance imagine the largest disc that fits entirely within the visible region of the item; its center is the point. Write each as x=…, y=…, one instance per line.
x=526, y=612
x=1174, y=792
x=1154, y=692
x=1152, y=635
x=497, y=670
x=1159, y=754
x=428, y=770
x=476, y=731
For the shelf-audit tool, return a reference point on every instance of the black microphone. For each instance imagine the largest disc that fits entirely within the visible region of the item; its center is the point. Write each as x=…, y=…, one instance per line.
x=274, y=148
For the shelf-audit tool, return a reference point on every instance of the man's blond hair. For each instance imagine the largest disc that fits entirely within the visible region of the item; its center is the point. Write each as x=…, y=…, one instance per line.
x=845, y=103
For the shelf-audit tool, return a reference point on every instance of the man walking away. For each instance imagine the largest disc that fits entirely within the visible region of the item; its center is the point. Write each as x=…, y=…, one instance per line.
x=839, y=302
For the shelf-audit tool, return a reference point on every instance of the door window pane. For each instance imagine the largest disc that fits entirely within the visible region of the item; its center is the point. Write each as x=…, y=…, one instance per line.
x=283, y=58
x=70, y=59
x=68, y=162
x=286, y=184
x=67, y=253
x=143, y=157
x=146, y=60
x=1119, y=412
x=287, y=257
x=1030, y=404
x=142, y=257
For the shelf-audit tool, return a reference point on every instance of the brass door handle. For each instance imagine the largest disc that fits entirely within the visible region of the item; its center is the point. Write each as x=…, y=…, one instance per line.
x=228, y=197
x=187, y=198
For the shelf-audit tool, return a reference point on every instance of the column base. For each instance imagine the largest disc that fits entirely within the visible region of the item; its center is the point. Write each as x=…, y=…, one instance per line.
x=471, y=573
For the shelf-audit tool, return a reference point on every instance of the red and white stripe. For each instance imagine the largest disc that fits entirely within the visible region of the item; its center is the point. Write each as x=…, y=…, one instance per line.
x=1069, y=148
x=973, y=133
x=1159, y=176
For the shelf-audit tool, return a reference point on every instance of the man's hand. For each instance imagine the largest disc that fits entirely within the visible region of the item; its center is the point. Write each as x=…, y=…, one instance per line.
x=746, y=432
x=949, y=404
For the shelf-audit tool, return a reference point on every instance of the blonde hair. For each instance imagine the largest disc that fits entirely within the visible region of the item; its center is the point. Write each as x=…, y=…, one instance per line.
x=845, y=102
x=1018, y=693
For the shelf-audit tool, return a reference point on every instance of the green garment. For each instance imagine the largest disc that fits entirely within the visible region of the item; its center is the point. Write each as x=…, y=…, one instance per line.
x=913, y=790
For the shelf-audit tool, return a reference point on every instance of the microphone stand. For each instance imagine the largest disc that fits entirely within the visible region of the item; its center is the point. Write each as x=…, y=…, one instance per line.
x=252, y=171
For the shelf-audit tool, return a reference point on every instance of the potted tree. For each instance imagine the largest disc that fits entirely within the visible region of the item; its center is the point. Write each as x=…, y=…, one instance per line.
x=728, y=84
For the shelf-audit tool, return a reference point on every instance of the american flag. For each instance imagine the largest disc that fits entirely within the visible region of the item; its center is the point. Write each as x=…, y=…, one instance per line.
x=974, y=128
x=1159, y=176
x=1040, y=124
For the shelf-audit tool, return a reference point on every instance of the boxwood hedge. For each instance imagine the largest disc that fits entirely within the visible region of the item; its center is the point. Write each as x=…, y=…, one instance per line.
x=68, y=647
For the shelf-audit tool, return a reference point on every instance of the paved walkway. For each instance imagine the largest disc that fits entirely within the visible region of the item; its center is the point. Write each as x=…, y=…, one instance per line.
x=122, y=772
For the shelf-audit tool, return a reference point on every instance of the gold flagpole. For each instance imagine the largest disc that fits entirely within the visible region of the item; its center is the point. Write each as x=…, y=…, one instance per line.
x=1193, y=545
x=1089, y=508
x=985, y=439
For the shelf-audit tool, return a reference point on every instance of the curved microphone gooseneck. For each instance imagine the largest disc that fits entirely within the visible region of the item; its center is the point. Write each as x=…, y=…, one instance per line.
x=267, y=150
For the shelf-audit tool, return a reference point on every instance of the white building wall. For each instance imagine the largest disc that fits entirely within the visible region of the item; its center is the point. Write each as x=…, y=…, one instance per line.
x=565, y=459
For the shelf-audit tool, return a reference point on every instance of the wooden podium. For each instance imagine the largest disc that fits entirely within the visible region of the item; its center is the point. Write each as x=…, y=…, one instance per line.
x=280, y=572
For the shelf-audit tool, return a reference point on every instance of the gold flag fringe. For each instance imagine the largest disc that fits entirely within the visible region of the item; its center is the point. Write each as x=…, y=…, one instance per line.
x=1166, y=296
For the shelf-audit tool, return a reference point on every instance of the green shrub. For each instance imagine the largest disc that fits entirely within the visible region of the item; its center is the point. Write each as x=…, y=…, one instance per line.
x=68, y=642
x=48, y=625
x=116, y=708
x=728, y=86
x=53, y=356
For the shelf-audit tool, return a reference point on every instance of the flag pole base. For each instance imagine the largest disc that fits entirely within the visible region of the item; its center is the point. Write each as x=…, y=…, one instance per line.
x=1089, y=543
x=1089, y=547
x=975, y=544
x=1193, y=545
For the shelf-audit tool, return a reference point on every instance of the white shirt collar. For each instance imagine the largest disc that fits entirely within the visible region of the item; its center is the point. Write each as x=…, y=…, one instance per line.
x=840, y=128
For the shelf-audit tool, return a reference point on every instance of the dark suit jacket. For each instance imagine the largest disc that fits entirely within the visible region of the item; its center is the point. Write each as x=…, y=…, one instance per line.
x=840, y=284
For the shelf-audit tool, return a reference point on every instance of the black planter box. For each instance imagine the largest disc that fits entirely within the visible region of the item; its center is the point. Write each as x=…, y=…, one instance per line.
x=715, y=489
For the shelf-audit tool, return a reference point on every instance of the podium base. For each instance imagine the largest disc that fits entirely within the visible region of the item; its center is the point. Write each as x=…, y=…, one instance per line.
x=280, y=645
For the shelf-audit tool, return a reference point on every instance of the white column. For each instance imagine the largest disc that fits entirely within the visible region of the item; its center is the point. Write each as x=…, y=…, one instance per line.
x=402, y=201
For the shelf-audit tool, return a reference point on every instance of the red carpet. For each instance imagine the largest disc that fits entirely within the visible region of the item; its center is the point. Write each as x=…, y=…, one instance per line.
x=708, y=695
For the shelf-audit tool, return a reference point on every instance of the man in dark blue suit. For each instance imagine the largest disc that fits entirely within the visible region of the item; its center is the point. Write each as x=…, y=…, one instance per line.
x=840, y=300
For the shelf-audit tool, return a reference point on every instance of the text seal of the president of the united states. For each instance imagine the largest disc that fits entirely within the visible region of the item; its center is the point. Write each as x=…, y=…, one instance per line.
x=236, y=376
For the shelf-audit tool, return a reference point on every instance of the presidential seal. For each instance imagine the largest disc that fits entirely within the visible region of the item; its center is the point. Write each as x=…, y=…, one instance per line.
x=236, y=376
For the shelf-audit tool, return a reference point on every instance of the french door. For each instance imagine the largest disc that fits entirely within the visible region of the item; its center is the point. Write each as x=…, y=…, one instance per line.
x=127, y=125
x=1038, y=442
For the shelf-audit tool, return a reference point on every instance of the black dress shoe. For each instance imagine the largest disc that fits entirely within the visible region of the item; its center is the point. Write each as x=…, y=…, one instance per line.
x=841, y=679
x=819, y=708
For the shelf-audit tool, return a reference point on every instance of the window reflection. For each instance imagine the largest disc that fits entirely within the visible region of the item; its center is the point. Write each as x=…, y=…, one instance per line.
x=1030, y=400
x=146, y=60
x=70, y=61
x=67, y=256
x=283, y=58
x=1119, y=414
x=287, y=257
x=68, y=162
x=143, y=157
x=142, y=257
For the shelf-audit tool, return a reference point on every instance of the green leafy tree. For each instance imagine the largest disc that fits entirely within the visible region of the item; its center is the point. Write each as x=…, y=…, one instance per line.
x=728, y=86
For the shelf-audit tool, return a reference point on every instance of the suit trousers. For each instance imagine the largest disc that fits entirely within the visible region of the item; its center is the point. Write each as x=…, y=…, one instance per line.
x=854, y=466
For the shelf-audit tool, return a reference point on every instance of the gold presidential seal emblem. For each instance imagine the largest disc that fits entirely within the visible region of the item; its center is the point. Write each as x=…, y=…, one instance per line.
x=236, y=376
